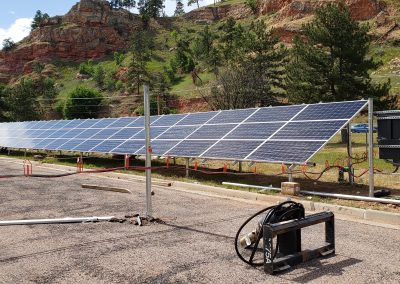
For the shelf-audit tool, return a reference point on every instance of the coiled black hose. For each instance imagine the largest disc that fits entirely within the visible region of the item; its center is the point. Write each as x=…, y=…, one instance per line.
x=285, y=211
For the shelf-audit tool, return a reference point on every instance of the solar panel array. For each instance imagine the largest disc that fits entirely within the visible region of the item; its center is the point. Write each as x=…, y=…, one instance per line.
x=290, y=134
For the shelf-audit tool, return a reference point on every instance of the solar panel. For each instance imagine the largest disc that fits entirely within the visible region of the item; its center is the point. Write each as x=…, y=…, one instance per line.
x=290, y=134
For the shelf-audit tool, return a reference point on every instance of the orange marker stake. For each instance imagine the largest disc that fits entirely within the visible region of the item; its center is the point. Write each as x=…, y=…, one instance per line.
x=195, y=165
x=225, y=167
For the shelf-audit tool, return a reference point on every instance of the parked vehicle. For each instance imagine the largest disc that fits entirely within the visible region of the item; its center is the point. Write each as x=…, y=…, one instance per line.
x=360, y=128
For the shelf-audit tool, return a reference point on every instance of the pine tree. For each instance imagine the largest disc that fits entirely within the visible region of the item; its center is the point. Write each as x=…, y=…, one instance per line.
x=38, y=19
x=179, y=10
x=331, y=63
x=265, y=60
x=190, y=2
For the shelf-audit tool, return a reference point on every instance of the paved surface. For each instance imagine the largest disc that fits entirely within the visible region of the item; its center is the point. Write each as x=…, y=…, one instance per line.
x=195, y=246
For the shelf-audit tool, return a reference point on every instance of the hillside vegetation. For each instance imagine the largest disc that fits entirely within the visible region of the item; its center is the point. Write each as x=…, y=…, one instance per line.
x=170, y=54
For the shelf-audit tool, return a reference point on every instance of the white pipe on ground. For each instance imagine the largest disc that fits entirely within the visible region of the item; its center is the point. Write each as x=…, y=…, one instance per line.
x=55, y=221
x=323, y=194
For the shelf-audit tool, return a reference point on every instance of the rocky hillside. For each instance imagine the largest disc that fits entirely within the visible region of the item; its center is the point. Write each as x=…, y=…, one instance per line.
x=91, y=29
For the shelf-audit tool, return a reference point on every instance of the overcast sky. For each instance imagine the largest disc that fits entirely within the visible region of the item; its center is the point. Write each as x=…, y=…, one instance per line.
x=16, y=15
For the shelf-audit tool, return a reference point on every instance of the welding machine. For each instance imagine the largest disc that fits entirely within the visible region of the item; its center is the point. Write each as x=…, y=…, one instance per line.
x=282, y=224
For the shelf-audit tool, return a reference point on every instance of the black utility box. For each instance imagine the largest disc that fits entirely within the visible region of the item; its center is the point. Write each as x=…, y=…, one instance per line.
x=389, y=135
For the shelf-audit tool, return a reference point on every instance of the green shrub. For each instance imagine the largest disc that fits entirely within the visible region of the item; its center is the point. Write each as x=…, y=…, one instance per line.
x=82, y=103
x=86, y=68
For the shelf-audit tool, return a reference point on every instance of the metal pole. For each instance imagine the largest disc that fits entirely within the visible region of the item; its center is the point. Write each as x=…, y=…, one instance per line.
x=371, y=146
x=240, y=167
x=187, y=167
x=149, y=210
x=350, y=148
x=290, y=174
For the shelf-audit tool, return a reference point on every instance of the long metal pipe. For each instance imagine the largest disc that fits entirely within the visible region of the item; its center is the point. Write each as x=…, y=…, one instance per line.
x=55, y=221
x=149, y=209
x=371, y=146
x=333, y=195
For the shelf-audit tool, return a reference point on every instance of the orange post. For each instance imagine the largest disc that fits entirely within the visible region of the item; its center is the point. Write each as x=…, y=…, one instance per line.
x=127, y=162
x=255, y=169
x=195, y=165
x=79, y=165
x=168, y=162
x=225, y=167
x=27, y=168
x=283, y=168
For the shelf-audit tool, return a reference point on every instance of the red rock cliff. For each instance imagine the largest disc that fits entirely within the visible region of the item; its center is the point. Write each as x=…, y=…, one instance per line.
x=91, y=29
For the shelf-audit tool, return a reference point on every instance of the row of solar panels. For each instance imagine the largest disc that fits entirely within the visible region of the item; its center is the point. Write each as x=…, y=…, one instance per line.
x=275, y=134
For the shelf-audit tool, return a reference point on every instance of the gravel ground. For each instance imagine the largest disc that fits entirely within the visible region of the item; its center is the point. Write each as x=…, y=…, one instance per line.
x=195, y=246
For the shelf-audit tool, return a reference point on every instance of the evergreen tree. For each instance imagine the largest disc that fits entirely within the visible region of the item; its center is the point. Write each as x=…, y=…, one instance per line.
x=141, y=51
x=8, y=44
x=265, y=60
x=205, y=48
x=232, y=39
x=117, y=4
x=179, y=10
x=331, y=64
x=150, y=9
x=191, y=2
x=255, y=74
x=38, y=19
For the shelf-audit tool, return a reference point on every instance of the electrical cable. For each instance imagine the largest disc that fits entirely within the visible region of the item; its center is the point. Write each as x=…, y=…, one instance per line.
x=285, y=211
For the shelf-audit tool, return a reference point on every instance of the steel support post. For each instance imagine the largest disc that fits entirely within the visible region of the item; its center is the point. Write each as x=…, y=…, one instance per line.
x=240, y=167
x=371, y=146
x=290, y=173
x=350, y=154
x=149, y=210
x=187, y=160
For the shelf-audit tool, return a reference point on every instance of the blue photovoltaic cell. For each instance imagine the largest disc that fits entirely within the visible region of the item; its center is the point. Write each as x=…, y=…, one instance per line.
x=197, y=118
x=88, y=133
x=88, y=123
x=154, y=132
x=71, y=144
x=190, y=148
x=232, y=149
x=87, y=145
x=74, y=123
x=59, y=124
x=58, y=133
x=105, y=122
x=321, y=130
x=107, y=146
x=129, y=147
x=275, y=114
x=45, y=134
x=286, y=151
x=168, y=120
x=178, y=132
x=232, y=116
x=122, y=122
x=159, y=147
x=343, y=110
x=34, y=133
x=212, y=131
x=126, y=133
x=138, y=122
x=48, y=124
x=42, y=144
x=56, y=143
x=105, y=133
x=255, y=131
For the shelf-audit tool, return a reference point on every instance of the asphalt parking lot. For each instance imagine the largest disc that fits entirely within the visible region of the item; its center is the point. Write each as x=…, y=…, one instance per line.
x=194, y=246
